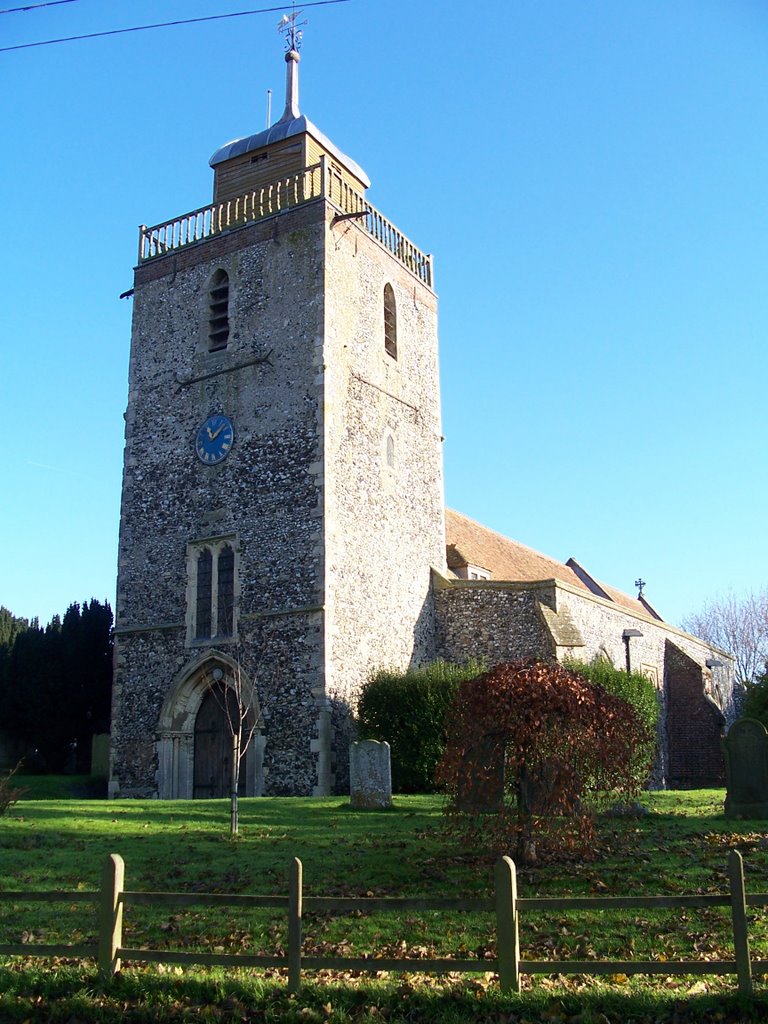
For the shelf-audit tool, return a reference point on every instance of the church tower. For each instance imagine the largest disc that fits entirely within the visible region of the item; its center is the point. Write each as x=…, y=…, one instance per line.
x=282, y=501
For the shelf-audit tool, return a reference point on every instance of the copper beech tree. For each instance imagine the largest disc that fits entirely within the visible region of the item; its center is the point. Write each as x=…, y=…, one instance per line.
x=533, y=750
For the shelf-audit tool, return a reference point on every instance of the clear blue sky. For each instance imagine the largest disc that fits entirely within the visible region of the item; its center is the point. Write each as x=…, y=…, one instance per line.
x=591, y=176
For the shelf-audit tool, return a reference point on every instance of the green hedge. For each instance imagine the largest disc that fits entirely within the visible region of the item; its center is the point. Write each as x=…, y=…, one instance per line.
x=633, y=687
x=409, y=711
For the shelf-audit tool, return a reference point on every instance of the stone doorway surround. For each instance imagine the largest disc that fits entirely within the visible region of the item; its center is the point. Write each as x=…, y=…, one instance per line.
x=176, y=727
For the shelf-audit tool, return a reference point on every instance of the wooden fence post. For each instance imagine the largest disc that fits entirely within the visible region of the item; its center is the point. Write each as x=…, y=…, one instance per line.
x=739, y=916
x=294, y=926
x=111, y=915
x=507, y=932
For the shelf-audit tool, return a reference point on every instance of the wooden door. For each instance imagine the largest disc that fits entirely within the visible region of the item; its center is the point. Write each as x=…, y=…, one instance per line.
x=213, y=748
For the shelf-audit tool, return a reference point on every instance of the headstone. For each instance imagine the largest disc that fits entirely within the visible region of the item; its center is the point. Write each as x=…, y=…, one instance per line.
x=481, y=784
x=100, y=755
x=746, y=769
x=551, y=788
x=370, y=775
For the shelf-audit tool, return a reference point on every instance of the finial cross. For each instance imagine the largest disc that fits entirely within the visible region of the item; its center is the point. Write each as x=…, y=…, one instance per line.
x=640, y=584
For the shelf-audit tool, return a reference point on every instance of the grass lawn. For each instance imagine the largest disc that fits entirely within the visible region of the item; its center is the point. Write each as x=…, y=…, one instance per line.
x=60, y=787
x=680, y=847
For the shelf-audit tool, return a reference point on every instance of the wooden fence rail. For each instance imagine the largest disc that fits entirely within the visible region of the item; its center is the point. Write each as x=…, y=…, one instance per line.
x=507, y=906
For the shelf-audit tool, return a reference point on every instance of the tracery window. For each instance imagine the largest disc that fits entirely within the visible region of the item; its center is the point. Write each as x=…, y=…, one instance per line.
x=212, y=567
x=218, y=311
x=390, y=322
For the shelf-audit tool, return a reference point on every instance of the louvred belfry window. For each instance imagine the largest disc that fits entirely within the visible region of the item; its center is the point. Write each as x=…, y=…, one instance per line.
x=218, y=312
x=390, y=322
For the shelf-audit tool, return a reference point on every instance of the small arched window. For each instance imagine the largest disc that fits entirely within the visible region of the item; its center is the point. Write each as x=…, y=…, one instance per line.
x=390, y=322
x=390, y=452
x=218, y=312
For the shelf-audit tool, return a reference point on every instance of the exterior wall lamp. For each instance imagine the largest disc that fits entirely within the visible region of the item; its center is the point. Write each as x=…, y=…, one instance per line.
x=626, y=636
x=713, y=663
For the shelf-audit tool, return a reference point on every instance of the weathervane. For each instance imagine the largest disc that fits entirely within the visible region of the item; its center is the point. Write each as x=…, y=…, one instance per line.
x=291, y=29
x=639, y=583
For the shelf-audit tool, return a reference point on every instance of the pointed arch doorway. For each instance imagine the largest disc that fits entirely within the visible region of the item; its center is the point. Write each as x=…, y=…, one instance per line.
x=194, y=736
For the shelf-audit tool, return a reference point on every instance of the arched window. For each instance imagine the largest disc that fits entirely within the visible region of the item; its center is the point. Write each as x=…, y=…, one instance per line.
x=390, y=322
x=218, y=312
x=390, y=452
x=212, y=567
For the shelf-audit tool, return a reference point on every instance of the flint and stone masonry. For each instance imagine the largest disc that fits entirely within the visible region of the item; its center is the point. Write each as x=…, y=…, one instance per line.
x=331, y=497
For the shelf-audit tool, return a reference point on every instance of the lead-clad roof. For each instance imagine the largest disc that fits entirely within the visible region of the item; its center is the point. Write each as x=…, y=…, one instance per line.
x=285, y=129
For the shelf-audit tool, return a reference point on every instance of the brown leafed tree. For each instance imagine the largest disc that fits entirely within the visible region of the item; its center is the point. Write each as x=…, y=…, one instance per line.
x=541, y=748
x=738, y=625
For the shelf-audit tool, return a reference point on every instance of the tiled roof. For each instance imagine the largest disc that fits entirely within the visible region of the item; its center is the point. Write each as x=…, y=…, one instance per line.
x=470, y=543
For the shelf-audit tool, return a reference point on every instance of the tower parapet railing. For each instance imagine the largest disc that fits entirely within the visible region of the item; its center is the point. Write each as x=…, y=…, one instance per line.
x=314, y=182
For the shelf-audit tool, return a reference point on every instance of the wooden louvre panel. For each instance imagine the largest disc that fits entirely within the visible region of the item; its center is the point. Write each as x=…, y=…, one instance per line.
x=218, y=312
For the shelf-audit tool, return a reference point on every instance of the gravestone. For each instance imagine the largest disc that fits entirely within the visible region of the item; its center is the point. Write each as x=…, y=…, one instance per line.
x=746, y=769
x=370, y=775
x=551, y=788
x=481, y=783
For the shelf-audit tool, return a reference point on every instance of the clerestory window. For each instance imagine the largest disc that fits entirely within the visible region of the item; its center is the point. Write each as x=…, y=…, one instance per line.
x=218, y=311
x=390, y=322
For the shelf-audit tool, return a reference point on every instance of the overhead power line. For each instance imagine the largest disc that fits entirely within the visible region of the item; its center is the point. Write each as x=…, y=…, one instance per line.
x=169, y=24
x=34, y=7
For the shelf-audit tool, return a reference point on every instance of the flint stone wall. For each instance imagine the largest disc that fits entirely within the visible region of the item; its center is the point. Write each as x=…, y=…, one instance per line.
x=384, y=524
x=265, y=497
x=333, y=545
x=493, y=622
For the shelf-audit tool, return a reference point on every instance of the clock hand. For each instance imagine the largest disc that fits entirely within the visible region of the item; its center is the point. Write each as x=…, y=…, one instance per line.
x=216, y=433
x=210, y=435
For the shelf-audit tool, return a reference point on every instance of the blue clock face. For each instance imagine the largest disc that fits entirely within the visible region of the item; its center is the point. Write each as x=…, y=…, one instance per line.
x=214, y=439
